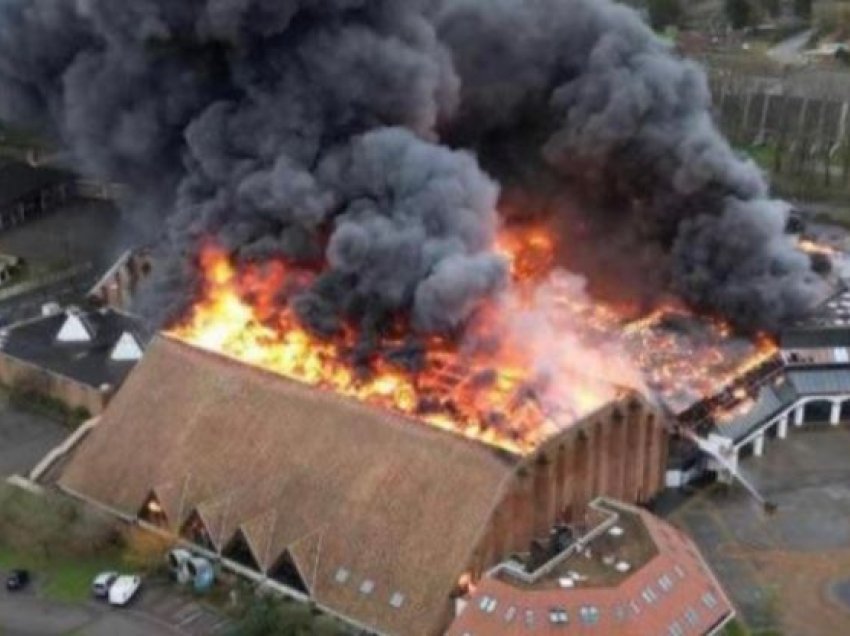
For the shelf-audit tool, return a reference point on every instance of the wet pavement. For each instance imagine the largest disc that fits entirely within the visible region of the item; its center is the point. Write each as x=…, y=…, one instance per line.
x=781, y=569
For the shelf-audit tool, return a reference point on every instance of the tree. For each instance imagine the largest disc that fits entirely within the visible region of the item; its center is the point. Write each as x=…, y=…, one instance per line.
x=803, y=8
x=739, y=13
x=664, y=13
x=772, y=7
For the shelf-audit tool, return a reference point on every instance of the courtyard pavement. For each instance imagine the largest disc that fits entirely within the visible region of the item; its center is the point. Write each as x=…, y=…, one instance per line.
x=783, y=570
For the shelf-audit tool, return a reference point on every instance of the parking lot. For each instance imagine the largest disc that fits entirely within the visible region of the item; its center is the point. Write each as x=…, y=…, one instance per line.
x=157, y=610
x=786, y=571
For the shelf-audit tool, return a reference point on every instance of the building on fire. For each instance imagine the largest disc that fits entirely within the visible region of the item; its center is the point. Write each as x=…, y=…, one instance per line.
x=808, y=384
x=627, y=573
x=377, y=518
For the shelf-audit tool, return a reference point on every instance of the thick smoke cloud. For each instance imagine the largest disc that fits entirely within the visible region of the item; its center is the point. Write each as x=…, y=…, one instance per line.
x=346, y=135
x=624, y=126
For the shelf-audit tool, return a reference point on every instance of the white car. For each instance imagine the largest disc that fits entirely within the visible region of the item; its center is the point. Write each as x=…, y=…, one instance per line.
x=102, y=583
x=124, y=588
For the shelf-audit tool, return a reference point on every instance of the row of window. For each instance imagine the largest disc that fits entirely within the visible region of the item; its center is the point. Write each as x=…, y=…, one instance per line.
x=588, y=614
x=367, y=586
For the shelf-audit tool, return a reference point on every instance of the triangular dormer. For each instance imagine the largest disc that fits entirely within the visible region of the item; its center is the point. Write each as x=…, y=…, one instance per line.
x=127, y=349
x=74, y=329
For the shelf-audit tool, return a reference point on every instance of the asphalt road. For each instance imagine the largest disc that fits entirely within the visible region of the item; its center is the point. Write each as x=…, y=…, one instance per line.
x=23, y=614
x=157, y=610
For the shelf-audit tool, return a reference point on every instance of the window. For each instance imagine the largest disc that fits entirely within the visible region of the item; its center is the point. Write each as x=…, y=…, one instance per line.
x=709, y=600
x=676, y=629
x=665, y=583
x=397, y=600
x=558, y=616
x=692, y=617
x=679, y=571
x=487, y=604
x=529, y=618
x=620, y=613
x=510, y=614
x=367, y=586
x=649, y=594
x=342, y=575
x=589, y=614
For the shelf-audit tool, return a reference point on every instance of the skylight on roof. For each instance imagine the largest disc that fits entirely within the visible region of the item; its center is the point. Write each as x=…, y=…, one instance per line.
x=620, y=613
x=709, y=600
x=589, y=614
x=558, y=616
x=367, y=586
x=341, y=575
x=649, y=594
x=510, y=614
x=397, y=600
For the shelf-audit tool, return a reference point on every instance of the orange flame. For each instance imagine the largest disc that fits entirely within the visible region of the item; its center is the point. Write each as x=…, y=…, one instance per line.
x=489, y=398
x=812, y=247
x=501, y=395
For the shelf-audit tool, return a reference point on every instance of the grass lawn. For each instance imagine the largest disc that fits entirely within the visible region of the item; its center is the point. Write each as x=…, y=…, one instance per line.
x=62, y=579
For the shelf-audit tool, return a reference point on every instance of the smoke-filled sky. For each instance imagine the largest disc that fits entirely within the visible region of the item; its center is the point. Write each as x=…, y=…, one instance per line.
x=377, y=140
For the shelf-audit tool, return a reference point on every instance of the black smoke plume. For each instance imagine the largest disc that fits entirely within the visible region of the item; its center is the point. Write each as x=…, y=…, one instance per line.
x=346, y=135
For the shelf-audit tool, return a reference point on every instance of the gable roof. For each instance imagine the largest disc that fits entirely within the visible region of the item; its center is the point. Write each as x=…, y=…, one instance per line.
x=339, y=483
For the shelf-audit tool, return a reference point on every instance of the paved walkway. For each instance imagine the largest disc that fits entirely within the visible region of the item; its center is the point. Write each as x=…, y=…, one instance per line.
x=790, y=50
x=25, y=438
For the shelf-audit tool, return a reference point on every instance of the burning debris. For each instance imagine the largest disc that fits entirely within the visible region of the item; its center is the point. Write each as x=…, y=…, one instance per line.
x=382, y=196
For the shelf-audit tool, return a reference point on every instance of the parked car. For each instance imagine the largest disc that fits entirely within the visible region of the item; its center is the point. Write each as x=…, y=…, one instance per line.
x=124, y=588
x=17, y=580
x=102, y=583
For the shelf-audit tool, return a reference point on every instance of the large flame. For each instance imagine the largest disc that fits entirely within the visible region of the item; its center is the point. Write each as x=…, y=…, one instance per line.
x=492, y=397
x=552, y=354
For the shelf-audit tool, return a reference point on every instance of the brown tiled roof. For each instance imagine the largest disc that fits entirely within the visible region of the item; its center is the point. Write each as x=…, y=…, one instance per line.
x=623, y=610
x=338, y=483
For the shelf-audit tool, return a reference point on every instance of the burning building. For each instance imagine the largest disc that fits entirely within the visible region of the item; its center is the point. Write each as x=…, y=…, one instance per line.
x=371, y=514
x=484, y=227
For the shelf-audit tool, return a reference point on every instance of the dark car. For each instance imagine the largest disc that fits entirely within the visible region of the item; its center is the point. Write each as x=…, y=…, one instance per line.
x=17, y=580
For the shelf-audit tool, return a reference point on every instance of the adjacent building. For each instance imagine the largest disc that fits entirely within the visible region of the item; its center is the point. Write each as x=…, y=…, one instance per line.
x=77, y=357
x=809, y=386
x=622, y=571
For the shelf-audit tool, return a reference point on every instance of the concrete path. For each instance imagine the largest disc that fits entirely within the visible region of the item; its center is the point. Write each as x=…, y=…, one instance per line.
x=790, y=51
